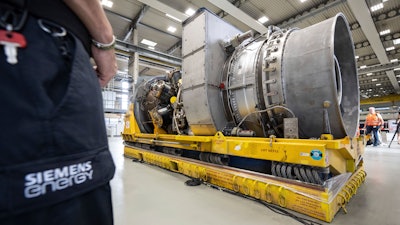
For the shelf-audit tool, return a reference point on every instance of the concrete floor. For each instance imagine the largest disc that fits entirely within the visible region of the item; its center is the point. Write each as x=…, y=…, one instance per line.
x=148, y=195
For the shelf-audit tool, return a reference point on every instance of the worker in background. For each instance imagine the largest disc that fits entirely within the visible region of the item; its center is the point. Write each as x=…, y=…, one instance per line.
x=373, y=123
x=380, y=128
x=55, y=165
x=398, y=128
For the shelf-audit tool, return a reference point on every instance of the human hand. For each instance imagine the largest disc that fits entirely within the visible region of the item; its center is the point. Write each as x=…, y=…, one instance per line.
x=106, y=64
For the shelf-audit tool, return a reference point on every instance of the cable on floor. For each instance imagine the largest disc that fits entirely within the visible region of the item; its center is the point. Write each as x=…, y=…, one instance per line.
x=137, y=160
x=272, y=207
x=193, y=182
x=277, y=209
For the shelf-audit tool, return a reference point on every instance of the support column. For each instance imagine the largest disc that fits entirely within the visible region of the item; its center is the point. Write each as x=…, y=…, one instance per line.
x=133, y=64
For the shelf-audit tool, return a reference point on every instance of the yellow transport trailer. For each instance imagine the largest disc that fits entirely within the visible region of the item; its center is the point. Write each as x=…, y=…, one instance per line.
x=273, y=116
x=342, y=156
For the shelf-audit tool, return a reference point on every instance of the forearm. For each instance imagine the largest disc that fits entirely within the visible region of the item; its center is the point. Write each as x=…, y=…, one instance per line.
x=92, y=15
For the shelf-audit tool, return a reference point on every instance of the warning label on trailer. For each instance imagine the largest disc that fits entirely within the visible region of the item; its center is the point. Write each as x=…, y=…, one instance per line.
x=309, y=206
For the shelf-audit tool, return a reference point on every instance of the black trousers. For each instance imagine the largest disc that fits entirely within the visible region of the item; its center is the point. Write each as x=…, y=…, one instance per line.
x=50, y=110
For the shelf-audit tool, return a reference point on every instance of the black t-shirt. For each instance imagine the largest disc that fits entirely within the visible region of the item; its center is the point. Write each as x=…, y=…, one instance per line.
x=58, y=12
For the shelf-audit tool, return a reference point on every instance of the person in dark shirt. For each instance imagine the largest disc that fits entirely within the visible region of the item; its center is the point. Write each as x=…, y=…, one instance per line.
x=55, y=165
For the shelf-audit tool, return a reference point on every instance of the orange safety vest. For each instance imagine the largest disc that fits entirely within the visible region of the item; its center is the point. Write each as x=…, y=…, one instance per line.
x=372, y=120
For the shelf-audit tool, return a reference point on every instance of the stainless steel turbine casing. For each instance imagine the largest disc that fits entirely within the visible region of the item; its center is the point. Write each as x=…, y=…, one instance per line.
x=203, y=59
x=294, y=71
x=319, y=65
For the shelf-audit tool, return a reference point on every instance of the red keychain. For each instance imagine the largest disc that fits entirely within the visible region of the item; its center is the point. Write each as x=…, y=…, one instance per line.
x=12, y=37
x=11, y=41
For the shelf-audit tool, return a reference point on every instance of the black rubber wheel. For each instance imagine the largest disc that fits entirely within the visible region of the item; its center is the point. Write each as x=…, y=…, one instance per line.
x=278, y=170
x=316, y=176
x=310, y=175
x=273, y=168
x=283, y=171
x=297, y=173
x=289, y=172
x=304, y=175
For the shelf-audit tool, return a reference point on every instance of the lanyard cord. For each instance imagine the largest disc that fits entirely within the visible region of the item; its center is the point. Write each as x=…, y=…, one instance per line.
x=14, y=14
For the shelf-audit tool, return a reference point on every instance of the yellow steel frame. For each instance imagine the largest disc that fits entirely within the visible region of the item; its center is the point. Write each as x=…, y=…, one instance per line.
x=342, y=156
x=318, y=202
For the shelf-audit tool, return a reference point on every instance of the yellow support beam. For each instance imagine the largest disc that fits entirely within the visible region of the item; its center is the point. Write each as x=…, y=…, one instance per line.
x=341, y=154
x=381, y=100
x=321, y=202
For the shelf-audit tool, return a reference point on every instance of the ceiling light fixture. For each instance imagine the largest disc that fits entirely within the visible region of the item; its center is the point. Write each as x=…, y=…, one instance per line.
x=390, y=48
x=374, y=80
x=396, y=41
x=369, y=74
x=357, y=56
x=189, y=12
x=151, y=47
x=376, y=7
x=363, y=67
x=396, y=69
x=173, y=17
x=107, y=3
x=384, y=32
x=149, y=43
x=378, y=84
x=263, y=19
x=394, y=60
x=171, y=29
x=303, y=1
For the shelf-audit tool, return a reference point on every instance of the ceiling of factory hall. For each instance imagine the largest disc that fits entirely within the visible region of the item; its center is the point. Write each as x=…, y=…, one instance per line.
x=375, y=27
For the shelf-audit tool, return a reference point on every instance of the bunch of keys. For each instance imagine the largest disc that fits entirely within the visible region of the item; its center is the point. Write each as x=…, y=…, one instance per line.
x=11, y=41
